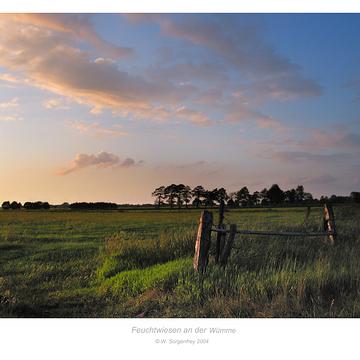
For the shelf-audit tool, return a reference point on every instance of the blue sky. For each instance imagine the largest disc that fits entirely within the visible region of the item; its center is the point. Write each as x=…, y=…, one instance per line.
x=106, y=107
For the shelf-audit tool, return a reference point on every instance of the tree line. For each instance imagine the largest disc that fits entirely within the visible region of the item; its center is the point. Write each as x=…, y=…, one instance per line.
x=14, y=205
x=93, y=206
x=178, y=195
x=40, y=205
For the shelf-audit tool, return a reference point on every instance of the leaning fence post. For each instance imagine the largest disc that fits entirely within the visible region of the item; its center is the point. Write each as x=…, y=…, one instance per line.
x=220, y=235
x=329, y=223
x=203, y=241
x=228, y=245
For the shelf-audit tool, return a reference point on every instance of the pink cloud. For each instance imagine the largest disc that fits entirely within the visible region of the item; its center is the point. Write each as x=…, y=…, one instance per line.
x=96, y=130
x=78, y=25
x=101, y=160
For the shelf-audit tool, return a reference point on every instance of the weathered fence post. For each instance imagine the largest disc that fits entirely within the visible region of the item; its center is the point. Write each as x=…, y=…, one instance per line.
x=228, y=245
x=329, y=223
x=220, y=235
x=203, y=241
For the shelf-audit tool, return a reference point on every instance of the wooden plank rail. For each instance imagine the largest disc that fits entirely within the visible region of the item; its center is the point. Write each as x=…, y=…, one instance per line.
x=270, y=233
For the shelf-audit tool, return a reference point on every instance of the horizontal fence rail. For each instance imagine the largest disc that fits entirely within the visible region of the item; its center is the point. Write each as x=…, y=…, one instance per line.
x=270, y=233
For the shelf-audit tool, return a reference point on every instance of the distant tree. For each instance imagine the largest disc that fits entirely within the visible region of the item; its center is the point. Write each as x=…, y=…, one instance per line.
x=324, y=199
x=299, y=197
x=6, y=205
x=179, y=190
x=15, y=205
x=159, y=194
x=33, y=205
x=64, y=205
x=186, y=195
x=197, y=202
x=275, y=194
x=232, y=200
x=308, y=198
x=264, y=198
x=215, y=196
x=231, y=203
x=254, y=199
x=242, y=197
x=355, y=196
x=29, y=205
x=211, y=197
x=170, y=194
x=45, y=205
x=93, y=206
x=199, y=194
x=290, y=196
x=221, y=195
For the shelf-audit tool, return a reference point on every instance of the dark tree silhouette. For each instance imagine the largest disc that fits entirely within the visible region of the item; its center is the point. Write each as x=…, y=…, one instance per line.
x=93, y=206
x=15, y=205
x=6, y=205
x=215, y=196
x=186, y=195
x=159, y=195
x=179, y=191
x=355, y=196
x=231, y=203
x=170, y=194
x=308, y=198
x=210, y=197
x=264, y=198
x=254, y=198
x=199, y=194
x=221, y=195
x=290, y=196
x=38, y=205
x=299, y=197
x=242, y=197
x=275, y=194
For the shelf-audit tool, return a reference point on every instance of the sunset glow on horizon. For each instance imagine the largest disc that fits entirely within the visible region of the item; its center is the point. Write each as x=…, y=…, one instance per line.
x=107, y=107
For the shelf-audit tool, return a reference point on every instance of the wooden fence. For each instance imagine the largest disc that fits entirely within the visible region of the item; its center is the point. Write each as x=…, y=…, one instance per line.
x=225, y=237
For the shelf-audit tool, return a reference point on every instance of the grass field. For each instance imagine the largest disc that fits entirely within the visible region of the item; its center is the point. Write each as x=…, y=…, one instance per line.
x=139, y=263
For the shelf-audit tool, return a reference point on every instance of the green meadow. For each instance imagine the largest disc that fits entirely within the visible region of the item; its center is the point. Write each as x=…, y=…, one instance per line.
x=138, y=263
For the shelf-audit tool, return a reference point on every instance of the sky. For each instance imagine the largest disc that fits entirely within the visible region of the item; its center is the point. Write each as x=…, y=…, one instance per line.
x=107, y=107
